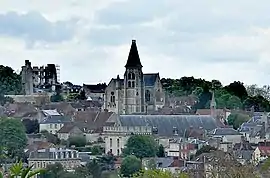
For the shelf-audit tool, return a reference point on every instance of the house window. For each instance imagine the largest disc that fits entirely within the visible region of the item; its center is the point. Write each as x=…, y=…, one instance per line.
x=112, y=97
x=55, y=126
x=51, y=126
x=147, y=95
x=118, y=152
x=110, y=142
x=118, y=142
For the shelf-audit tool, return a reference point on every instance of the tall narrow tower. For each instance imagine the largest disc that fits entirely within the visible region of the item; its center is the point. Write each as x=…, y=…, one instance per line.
x=213, y=105
x=133, y=83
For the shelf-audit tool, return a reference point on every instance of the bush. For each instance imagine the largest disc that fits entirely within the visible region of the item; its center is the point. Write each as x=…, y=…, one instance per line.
x=78, y=141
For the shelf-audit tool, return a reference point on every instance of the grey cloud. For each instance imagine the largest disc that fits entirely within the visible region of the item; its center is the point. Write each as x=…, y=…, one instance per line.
x=133, y=12
x=32, y=26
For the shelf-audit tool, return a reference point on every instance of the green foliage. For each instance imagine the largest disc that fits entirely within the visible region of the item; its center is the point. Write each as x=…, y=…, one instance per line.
x=130, y=165
x=159, y=174
x=161, y=151
x=236, y=119
x=17, y=170
x=51, y=137
x=82, y=95
x=53, y=170
x=78, y=141
x=205, y=149
x=141, y=146
x=97, y=150
x=31, y=126
x=57, y=98
x=72, y=96
x=12, y=136
x=232, y=96
x=10, y=82
x=5, y=99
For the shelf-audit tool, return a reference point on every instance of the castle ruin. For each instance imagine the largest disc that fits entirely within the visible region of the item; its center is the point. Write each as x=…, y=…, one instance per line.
x=38, y=77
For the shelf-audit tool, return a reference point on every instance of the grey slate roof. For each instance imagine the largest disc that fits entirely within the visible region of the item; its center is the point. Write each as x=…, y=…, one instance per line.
x=166, y=123
x=150, y=79
x=55, y=120
x=224, y=131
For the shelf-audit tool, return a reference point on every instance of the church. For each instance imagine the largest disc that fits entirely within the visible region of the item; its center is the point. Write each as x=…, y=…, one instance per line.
x=136, y=93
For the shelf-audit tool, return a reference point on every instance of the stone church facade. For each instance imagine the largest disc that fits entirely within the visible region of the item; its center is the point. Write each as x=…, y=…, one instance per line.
x=137, y=92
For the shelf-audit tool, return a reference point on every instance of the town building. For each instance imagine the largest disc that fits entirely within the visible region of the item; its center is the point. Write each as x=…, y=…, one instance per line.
x=40, y=159
x=136, y=92
x=164, y=127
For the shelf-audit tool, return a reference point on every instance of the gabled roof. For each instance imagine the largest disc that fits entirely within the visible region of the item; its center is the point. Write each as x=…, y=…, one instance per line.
x=265, y=150
x=167, y=123
x=67, y=128
x=150, y=79
x=89, y=121
x=133, y=57
x=98, y=88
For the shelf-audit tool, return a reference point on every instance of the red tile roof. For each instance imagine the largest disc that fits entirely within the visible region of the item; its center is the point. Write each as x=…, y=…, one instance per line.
x=265, y=150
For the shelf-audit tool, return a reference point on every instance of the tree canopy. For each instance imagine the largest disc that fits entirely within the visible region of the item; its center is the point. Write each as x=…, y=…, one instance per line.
x=10, y=82
x=12, y=136
x=232, y=96
x=130, y=165
x=236, y=119
x=141, y=146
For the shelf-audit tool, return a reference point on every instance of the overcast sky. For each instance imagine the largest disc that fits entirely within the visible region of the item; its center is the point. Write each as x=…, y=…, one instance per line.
x=90, y=39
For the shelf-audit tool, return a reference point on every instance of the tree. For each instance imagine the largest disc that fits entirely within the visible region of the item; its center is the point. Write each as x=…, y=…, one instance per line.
x=12, y=136
x=97, y=150
x=82, y=95
x=141, y=146
x=254, y=90
x=205, y=149
x=161, y=151
x=78, y=141
x=107, y=162
x=94, y=168
x=72, y=96
x=51, y=137
x=237, y=119
x=53, y=170
x=238, y=89
x=130, y=165
x=57, y=98
x=159, y=174
x=5, y=99
x=10, y=82
x=31, y=126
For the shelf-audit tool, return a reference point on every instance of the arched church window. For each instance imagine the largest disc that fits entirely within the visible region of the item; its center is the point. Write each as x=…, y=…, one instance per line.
x=131, y=76
x=132, y=84
x=112, y=97
x=129, y=84
x=147, y=96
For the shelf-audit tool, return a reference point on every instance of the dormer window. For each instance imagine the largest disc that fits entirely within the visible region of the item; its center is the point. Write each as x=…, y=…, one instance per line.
x=155, y=130
x=175, y=131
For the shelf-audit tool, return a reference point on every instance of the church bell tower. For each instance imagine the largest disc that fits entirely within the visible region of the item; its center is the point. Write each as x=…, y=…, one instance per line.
x=133, y=83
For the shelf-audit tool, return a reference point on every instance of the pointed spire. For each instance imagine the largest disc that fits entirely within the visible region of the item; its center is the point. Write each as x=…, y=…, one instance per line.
x=133, y=57
x=213, y=100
